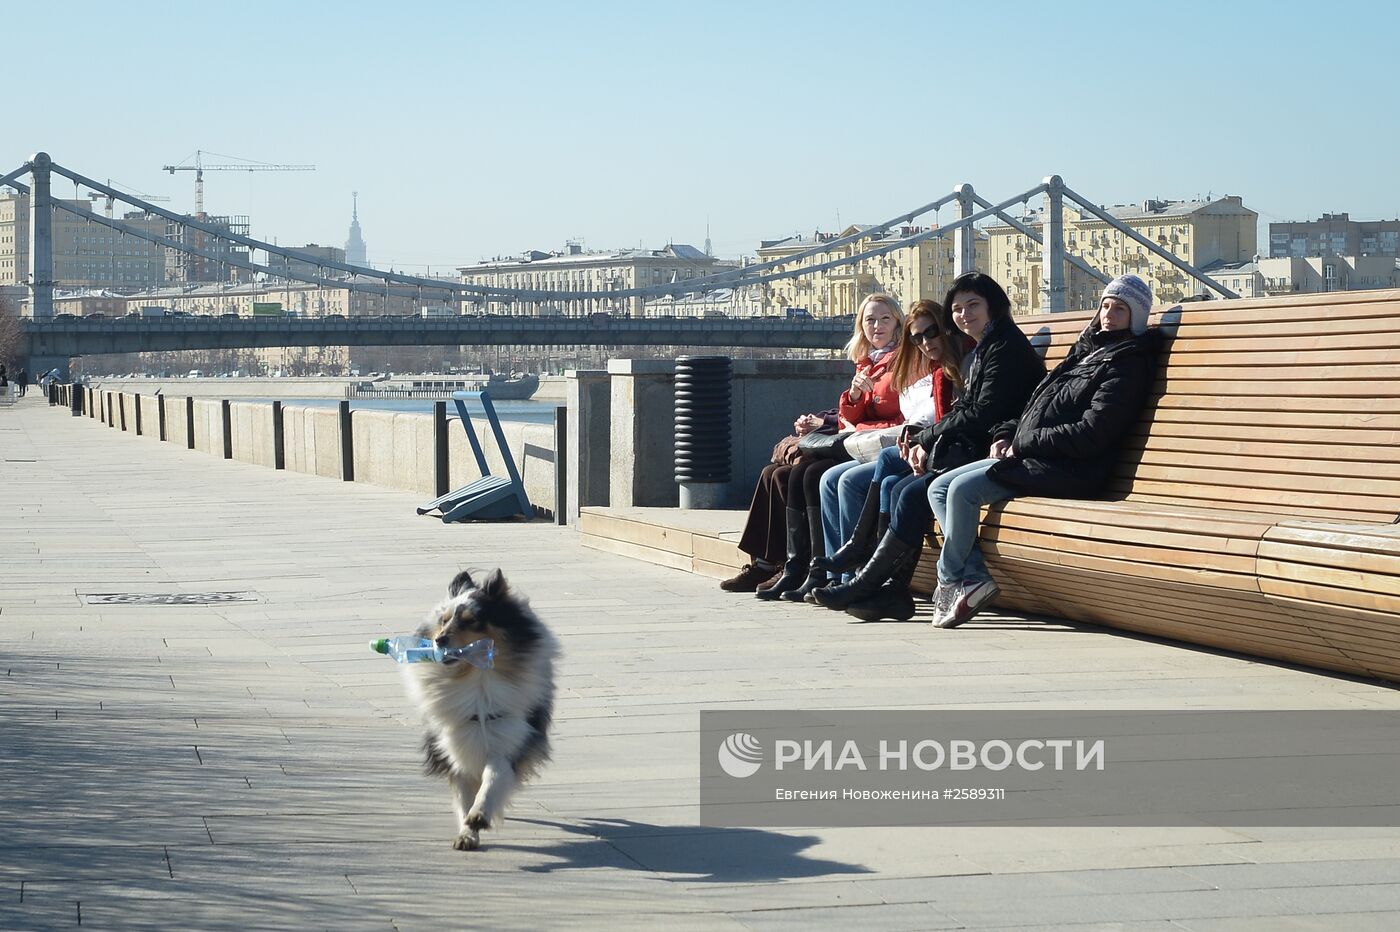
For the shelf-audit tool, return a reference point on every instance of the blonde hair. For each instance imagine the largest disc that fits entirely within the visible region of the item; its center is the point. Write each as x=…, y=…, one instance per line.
x=858, y=346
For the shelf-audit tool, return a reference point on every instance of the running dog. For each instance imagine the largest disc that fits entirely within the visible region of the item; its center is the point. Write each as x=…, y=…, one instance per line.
x=487, y=729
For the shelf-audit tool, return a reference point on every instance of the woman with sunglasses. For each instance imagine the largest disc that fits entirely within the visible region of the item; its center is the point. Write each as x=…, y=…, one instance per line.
x=1003, y=371
x=855, y=496
x=783, y=530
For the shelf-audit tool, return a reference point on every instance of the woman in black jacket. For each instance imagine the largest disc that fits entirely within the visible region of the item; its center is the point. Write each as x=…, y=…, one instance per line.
x=1063, y=445
x=1003, y=370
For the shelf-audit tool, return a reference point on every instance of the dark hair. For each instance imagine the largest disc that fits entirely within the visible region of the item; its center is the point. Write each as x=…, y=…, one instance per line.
x=985, y=287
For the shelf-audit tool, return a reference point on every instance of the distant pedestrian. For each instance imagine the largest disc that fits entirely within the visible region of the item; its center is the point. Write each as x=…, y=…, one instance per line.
x=23, y=380
x=4, y=377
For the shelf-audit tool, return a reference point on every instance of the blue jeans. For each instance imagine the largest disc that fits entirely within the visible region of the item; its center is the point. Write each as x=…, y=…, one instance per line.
x=889, y=469
x=956, y=498
x=843, y=494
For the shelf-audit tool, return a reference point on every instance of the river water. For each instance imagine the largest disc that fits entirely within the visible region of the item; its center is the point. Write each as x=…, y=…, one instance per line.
x=527, y=412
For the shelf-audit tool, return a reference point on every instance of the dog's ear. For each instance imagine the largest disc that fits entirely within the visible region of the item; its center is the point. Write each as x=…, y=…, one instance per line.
x=495, y=587
x=460, y=583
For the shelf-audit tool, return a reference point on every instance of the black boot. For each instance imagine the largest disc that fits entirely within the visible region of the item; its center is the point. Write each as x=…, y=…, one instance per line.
x=799, y=557
x=893, y=600
x=858, y=549
x=816, y=578
x=888, y=559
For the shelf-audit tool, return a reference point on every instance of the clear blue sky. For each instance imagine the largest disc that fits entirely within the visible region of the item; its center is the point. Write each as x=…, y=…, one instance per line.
x=475, y=129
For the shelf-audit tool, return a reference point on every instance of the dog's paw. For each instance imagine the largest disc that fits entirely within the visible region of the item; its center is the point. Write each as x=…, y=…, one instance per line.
x=476, y=821
x=467, y=841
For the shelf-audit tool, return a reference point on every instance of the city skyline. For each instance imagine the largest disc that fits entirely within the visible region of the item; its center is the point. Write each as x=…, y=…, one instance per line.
x=488, y=131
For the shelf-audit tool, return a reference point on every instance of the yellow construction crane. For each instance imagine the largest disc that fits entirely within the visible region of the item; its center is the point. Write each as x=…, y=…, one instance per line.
x=242, y=165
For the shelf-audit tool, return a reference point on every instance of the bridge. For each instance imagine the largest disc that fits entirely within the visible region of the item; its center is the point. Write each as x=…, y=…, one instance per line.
x=66, y=336
x=52, y=341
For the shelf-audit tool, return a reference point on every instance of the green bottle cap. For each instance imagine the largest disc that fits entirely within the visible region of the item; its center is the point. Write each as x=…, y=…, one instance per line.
x=379, y=645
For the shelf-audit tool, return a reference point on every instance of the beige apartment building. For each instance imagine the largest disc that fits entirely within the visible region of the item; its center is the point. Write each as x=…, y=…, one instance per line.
x=303, y=300
x=910, y=273
x=1199, y=232
x=577, y=270
x=1307, y=274
x=86, y=254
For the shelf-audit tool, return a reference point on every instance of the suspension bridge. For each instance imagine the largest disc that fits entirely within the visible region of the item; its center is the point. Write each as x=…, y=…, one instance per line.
x=51, y=342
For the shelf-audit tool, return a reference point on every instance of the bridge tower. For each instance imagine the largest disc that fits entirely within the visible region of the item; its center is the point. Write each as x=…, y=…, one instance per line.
x=40, y=238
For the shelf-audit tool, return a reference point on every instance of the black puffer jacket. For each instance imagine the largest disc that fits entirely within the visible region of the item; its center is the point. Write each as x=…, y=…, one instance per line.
x=1069, y=436
x=1004, y=371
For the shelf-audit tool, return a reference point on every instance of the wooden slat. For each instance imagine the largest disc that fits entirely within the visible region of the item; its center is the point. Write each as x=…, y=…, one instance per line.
x=1182, y=574
x=1297, y=469
x=1374, y=568
x=1284, y=488
x=1380, y=443
x=1064, y=545
x=1283, y=414
x=1289, y=342
x=1303, y=386
x=1187, y=354
x=1158, y=493
x=1248, y=376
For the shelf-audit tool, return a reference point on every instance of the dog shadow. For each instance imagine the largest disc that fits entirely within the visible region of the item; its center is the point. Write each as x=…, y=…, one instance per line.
x=704, y=854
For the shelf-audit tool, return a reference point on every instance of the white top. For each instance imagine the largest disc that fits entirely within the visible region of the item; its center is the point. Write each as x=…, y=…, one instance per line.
x=916, y=402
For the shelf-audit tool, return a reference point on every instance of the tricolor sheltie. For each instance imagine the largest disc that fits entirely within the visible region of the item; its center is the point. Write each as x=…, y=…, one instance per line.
x=488, y=730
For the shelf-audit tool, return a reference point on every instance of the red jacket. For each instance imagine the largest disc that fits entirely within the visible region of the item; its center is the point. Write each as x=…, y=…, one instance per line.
x=942, y=394
x=878, y=407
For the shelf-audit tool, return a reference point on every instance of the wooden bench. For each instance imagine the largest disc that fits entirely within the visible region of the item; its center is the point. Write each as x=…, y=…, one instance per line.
x=1255, y=505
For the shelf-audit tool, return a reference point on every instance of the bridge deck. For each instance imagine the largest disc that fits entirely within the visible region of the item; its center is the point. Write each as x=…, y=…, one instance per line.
x=251, y=764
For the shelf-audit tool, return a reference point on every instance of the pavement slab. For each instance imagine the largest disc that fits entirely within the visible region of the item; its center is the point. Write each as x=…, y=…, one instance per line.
x=251, y=765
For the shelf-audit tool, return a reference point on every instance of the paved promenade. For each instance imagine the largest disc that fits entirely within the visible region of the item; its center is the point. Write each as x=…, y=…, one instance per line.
x=251, y=765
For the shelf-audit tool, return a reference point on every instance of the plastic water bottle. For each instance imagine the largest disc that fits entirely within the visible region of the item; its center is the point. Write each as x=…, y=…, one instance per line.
x=409, y=649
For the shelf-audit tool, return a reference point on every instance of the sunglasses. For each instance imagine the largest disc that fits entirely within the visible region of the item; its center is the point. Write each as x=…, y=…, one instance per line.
x=925, y=336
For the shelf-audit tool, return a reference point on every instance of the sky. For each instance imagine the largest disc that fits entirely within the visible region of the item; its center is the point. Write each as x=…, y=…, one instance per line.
x=473, y=129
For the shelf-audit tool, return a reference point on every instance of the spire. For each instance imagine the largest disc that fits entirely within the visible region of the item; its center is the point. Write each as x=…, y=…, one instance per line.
x=355, y=250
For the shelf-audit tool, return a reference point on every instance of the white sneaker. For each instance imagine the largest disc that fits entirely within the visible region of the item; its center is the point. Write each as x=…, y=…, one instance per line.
x=968, y=599
x=942, y=597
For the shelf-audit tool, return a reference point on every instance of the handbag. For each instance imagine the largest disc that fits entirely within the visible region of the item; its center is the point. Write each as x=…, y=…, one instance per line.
x=951, y=451
x=786, y=451
x=825, y=446
x=865, y=445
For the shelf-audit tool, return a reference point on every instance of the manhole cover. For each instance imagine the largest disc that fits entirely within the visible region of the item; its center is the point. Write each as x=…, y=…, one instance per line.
x=166, y=598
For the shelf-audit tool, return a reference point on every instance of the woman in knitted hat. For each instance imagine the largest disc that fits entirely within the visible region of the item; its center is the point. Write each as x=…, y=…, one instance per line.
x=1064, y=444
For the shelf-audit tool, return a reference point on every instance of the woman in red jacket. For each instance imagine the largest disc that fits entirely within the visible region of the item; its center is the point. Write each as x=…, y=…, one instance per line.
x=870, y=403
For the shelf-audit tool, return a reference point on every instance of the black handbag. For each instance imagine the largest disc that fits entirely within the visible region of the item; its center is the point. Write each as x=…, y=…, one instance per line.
x=825, y=446
x=951, y=451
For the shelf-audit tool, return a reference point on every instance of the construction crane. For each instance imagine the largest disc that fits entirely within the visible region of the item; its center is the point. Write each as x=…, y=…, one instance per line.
x=95, y=196
x=244, y=165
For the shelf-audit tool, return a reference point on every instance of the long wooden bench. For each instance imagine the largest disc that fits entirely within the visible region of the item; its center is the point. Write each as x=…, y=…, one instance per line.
x=1255, y=505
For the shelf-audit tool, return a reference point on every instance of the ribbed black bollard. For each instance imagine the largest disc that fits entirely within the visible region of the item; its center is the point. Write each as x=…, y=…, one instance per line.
x=702, y=429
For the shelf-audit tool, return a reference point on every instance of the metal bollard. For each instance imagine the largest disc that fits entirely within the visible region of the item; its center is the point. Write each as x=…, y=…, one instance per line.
x=702, y=429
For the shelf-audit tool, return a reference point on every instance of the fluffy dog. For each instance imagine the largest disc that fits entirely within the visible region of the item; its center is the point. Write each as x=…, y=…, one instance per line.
x=488, y=730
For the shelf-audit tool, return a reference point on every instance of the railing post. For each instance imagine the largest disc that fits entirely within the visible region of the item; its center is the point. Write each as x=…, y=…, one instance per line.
x=136, y=406
x=347, y=444
x=441, y=475
x=964, y=237
x=40, y=238
x=1052, y=250
x=561, y=465
x=160, y=414
x=226, y=417
x=279, y=438
x=189, y=423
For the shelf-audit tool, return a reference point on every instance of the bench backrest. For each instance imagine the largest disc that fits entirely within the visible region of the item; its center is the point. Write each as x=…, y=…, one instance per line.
x=1287, y=406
